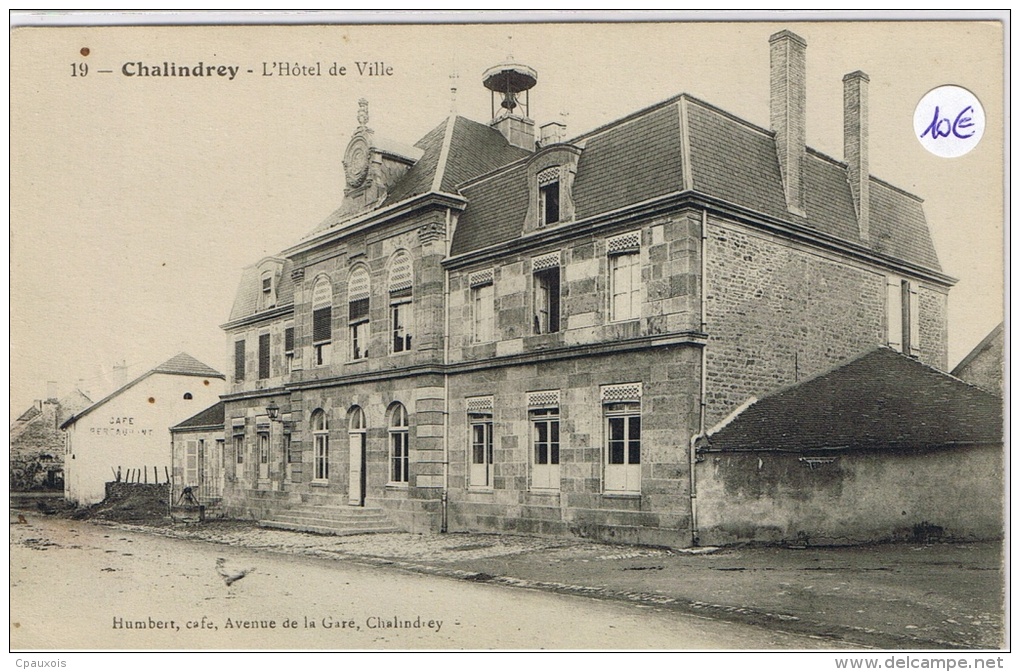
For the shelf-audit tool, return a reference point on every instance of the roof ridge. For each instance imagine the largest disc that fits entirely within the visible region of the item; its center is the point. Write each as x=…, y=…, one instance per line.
x=981, y=346
x=444, y=153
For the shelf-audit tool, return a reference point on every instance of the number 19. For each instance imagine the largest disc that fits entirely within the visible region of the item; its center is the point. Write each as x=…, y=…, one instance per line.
x=79, y=69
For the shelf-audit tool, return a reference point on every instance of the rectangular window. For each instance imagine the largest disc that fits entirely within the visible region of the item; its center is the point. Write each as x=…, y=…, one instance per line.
x=625, y=286
x=239, y=447
x=547, y=301
x=399, y=458
x=481, y=449
x=322, y=334
x=482, y=298
x=622, y=439
x=549, y=203
x=263, y=356
x=288, y=347
x=191, y=466
x=239, y=361
x=359, y=328
x=322, y=457
x=268, y=300
x=401, y=316
x=545, y=448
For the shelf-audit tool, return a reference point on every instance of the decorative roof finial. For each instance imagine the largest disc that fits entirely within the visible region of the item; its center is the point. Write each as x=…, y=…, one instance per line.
x=453, y=92
x=362, y=112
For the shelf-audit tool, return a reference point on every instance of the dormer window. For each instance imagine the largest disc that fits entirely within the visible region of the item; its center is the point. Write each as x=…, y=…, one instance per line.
x=549, y=196
x=268, y=293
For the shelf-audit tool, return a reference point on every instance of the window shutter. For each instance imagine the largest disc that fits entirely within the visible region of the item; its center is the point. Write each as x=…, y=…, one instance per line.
x=239, y=360
x=322, y=331
x=894, y=313
x=401, y=276
x=263, y=356
x=915, y=320
x=288, y=339
x=359, y=310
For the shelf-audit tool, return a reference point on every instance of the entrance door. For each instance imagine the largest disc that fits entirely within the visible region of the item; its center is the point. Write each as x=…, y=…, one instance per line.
x=357, y=460
x=263, y=457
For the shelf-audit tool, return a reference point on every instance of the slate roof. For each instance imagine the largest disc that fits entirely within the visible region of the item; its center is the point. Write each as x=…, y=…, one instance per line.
x=210, y=417
x=473, y=149
x=882, y=400
x=181, y=364
x=641, y=157
x=184, y=364
x=249, y=289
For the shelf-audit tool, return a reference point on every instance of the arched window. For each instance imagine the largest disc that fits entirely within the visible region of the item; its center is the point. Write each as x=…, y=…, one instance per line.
x=358, y=292
x=401, y=282
x=322, y=320
x=398, y=444
x=320, y=434
x=356, y=420
x=187, y=396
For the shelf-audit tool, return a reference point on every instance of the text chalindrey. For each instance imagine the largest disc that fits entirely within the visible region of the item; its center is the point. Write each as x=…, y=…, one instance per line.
x=268, y=69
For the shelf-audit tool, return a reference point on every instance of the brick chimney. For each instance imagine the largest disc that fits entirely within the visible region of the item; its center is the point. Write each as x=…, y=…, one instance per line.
x=855, y=144
x=788, y=75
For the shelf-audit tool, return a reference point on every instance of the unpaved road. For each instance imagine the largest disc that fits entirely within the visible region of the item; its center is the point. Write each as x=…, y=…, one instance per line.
x=76, y=585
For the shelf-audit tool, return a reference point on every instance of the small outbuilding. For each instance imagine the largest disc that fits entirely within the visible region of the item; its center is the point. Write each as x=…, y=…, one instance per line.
x=124, y=435
x=881, y=448
x=198, y=458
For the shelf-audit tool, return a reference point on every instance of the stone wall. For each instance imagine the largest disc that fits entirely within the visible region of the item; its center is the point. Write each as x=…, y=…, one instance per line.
x=951, y=494
x=669, y=416
x=778, y=312
x=669, y=292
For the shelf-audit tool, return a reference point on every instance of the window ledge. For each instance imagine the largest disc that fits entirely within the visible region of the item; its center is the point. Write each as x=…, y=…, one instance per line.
x=319, y=483
x=481, y=489
x=397, y=486
x=545, y=491
x=622, y=495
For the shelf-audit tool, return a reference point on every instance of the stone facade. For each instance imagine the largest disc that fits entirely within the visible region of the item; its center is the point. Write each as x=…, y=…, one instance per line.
x=565, y=319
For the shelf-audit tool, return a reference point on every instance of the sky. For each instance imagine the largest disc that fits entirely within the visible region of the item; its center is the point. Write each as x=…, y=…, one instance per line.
x=136, y=201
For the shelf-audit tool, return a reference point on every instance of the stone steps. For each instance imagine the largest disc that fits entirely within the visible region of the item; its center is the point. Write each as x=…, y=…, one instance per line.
x=332, y=519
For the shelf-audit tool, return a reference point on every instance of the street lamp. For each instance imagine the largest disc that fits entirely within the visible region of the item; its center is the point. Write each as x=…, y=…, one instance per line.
x=273, y=411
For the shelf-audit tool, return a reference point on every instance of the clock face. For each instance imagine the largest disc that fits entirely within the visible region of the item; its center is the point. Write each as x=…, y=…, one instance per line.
x=356, y=163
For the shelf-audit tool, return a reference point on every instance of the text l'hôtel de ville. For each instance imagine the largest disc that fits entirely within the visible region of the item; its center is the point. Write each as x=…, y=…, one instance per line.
x=267, y=69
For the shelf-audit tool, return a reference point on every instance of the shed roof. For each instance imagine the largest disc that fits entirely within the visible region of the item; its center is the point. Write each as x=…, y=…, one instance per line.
x=210, y=417
x=883, y=400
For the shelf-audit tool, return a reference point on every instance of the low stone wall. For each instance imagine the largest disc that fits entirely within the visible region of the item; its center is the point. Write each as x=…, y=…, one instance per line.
x=953, y=494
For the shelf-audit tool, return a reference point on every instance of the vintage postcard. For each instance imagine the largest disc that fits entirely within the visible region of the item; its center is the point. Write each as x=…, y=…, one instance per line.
x=537, y=334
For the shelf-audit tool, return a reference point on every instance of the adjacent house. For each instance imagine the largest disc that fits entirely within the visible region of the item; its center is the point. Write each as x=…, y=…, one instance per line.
x=37, y=444
x=127, y=430
x=881, y=448
x=509, y=329
x=984, y=365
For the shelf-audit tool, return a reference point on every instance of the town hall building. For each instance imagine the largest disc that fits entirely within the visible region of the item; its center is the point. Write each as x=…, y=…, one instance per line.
x=505, y=329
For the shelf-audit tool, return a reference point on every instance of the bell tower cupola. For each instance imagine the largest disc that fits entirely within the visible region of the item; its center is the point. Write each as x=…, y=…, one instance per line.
x=512, y=83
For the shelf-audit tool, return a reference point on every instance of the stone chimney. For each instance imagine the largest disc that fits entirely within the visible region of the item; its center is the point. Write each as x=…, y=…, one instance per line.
x=553, y=132
x=51, y=390
x=855, y=144
x=788, y=75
